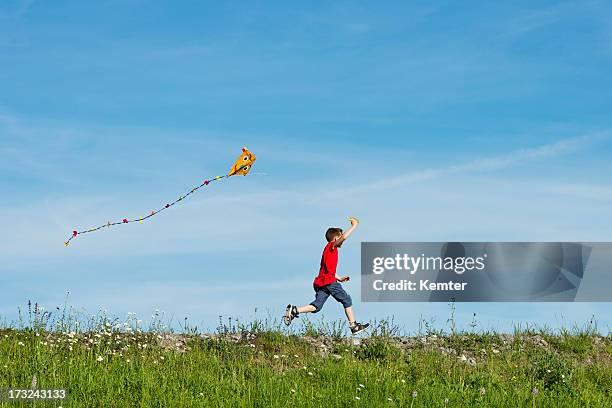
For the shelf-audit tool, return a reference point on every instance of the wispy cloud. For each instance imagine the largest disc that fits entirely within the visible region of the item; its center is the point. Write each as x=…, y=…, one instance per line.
x=485, y=164
x=39, y=228
x=534, y=19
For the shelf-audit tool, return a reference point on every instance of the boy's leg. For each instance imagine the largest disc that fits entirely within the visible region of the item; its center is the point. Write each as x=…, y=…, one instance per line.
x=292, y=312
x=338, y=292
x=306, y=309
x=349, y=314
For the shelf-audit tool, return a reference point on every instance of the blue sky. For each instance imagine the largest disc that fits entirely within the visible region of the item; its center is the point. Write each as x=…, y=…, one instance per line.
x=431, y=122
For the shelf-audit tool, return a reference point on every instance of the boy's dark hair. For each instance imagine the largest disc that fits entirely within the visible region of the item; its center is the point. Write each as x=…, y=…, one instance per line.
x=332, y=233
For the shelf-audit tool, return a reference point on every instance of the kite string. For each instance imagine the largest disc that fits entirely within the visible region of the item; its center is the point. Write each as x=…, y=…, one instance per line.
x=168, y=205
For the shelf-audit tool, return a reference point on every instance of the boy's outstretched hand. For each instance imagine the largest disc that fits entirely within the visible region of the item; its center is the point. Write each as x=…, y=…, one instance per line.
x=338, y=242
x=343, y=279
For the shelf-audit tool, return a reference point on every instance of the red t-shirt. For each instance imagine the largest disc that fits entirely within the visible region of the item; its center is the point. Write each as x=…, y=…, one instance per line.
x=329, y=262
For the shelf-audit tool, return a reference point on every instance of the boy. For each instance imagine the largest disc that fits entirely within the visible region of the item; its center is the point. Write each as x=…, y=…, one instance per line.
x=327, y=283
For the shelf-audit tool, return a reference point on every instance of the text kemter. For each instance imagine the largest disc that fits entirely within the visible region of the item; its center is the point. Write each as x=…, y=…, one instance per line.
x=423, y=285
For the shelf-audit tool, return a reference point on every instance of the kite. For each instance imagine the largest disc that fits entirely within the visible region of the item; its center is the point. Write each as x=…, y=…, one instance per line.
x=242, y=166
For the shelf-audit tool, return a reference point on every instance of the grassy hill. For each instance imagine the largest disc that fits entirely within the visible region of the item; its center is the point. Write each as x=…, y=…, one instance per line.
x=115, y=364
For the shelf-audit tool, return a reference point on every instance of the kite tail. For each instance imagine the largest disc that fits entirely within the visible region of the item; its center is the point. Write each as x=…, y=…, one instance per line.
x=153, y=213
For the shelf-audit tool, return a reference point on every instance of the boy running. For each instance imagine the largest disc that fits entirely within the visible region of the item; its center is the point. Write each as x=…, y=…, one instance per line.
x=327, y=283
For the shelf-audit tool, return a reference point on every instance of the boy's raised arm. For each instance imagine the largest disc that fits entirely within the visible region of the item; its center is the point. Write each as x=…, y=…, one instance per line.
x=354, y=221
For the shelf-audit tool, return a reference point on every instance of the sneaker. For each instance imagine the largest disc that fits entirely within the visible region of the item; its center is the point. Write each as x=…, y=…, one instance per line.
x=290, y=314
x=359, y=327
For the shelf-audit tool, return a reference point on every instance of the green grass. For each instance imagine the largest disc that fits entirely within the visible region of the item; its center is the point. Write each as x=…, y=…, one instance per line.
x=268, y=368
x=110, y=363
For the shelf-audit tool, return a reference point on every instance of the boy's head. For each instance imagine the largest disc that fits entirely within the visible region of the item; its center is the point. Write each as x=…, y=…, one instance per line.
x=333, y=234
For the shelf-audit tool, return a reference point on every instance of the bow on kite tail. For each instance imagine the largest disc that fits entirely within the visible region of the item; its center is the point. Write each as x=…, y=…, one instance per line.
x=242, y=166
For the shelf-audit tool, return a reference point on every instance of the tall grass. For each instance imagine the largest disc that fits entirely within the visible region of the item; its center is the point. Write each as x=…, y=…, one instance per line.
x=107, y=361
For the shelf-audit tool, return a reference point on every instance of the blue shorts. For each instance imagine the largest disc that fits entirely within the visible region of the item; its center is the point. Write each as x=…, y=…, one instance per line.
x=336, y=291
